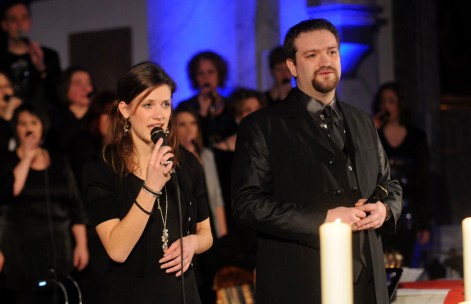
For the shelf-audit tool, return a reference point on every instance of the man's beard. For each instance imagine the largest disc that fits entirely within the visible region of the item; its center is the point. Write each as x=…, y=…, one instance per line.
x=325, y=86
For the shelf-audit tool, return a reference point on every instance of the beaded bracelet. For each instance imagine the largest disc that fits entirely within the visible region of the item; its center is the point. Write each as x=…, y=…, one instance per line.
x=143, y=210
x=151, y=191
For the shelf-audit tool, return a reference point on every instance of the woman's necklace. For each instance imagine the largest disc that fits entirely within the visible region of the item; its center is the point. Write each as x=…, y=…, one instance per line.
x=164, y=220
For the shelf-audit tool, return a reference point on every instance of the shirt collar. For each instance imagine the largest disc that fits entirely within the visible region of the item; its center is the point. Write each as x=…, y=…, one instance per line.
x=315, y=107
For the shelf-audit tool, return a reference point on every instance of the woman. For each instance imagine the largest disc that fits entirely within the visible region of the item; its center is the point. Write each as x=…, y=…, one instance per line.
x=8, y=103
x=42, y=211
x=208, y=72
x=133, y=199
x=69, y=122
x=281, y=76
x=407, y=151
x=189, y=136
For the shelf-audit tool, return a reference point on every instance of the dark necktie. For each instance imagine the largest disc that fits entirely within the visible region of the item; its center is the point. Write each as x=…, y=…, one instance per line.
x=334, y=127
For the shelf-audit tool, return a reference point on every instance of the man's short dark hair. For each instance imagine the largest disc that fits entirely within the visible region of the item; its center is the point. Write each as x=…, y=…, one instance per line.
x=11, y=3
x=216, y=59
x=277, y=56
x=306, y=26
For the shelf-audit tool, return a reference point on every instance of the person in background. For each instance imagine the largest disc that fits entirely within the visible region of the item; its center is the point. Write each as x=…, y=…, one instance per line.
x=409, y=158
x=92, y=279
x=189, y=136
x=238, y=247
x=35, y=70
x=241, y=102
x=8, y=103
x=70, y=120
x=133, y=201
x=281, y=76
x=208, y=72
x=44, y=235
x=309, y=160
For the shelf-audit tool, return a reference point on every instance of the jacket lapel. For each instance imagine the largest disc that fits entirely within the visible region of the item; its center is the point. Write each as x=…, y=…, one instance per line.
x=350, y=127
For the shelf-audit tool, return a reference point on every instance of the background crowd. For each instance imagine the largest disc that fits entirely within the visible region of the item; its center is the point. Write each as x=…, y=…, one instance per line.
x=53, y=120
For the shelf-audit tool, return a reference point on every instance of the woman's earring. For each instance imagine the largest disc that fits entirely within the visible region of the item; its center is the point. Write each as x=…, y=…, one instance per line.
x=126, y=126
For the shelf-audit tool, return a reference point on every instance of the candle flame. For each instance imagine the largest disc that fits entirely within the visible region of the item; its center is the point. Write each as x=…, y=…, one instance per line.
x=337, y=221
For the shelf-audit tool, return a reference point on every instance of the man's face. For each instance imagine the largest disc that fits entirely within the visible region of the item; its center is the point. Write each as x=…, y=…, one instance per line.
x=17, y=21
x=207, y=75
x=317, y=66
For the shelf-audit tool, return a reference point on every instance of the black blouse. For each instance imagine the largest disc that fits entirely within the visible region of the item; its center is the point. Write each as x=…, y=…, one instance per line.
x=110, y=196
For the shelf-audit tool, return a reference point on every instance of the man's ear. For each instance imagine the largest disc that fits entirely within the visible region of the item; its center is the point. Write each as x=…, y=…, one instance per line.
x=292, y=67
x=124, y=109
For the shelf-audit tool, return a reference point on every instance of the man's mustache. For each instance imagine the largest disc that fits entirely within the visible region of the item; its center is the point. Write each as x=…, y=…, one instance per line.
x=325, y=70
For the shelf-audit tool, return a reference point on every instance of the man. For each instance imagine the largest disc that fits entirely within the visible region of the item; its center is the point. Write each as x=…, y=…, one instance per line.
x=34, y=70
x=293, y=171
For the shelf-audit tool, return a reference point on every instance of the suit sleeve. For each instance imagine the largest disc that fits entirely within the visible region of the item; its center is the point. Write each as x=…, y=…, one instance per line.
x=253, y=200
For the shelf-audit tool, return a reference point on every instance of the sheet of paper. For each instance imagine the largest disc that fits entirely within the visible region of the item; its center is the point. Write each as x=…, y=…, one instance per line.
x=422, y=296
x=410, y=274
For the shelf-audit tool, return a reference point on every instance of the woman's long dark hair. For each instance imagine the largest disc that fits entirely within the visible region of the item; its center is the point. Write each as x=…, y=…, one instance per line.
x=64, y=85
x=402, y=104
x=119, y=150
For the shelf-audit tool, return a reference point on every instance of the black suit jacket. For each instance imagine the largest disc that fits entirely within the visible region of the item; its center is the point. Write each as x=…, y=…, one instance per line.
x=283, y=183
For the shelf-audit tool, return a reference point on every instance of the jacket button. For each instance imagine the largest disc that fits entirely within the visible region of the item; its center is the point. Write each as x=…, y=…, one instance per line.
x=332, y=161
x=337, y=192
x=355, y=188
x=190, y=203
x=350, y=168
x=189, y=219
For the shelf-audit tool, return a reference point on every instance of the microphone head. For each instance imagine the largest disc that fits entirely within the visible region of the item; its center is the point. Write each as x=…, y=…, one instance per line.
x=157, y=133
x=24, y=37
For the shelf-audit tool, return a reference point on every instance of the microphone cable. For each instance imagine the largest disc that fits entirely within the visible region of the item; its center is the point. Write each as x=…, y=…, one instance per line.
x=52, y=238
x=180, y=220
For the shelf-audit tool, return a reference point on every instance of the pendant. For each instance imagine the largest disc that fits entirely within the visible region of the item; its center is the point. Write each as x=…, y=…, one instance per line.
x=164, y=239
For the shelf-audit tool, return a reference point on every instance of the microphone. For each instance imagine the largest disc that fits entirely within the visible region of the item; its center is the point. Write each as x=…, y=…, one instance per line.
x=212, y=106
x=379, y=194
x=157, y=133
x=24, y=37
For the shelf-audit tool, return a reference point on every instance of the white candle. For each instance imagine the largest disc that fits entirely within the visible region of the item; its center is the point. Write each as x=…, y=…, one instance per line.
x=336, y=263
x=466, y=225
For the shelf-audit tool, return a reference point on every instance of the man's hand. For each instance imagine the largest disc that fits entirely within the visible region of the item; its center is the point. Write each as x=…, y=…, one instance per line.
x=376, y=214
x=350, y=215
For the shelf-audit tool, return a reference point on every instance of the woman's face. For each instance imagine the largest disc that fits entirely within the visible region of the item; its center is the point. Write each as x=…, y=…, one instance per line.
x=249, y=105
x=186, y=127
x=389, y=103
x=80, y=88
x=29, y=125
x=153, y=111
x=207, y=75
x=5, y=87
